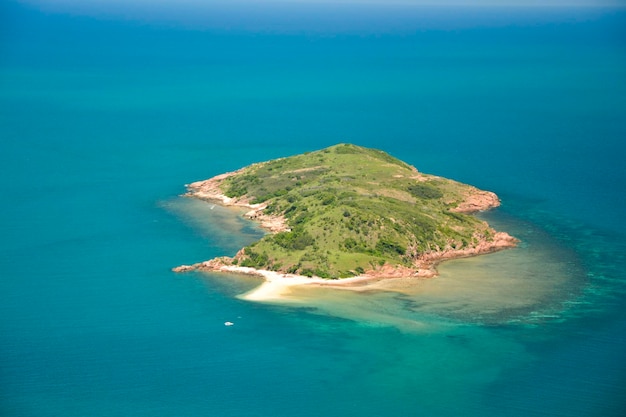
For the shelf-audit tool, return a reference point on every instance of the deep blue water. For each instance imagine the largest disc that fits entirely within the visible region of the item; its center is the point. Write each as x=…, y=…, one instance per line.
x=103, y=120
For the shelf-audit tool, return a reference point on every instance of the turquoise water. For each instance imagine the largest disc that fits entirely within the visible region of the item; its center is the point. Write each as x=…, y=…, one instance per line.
x=103, y=121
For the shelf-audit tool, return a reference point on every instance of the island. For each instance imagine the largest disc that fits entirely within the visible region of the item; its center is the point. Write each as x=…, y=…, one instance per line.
x=349, y=214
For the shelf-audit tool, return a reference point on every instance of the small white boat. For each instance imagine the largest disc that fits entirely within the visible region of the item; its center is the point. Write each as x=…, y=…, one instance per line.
x=228, y=323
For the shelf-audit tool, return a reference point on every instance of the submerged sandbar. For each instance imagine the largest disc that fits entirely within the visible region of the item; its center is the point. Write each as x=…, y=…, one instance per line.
x=348, y=216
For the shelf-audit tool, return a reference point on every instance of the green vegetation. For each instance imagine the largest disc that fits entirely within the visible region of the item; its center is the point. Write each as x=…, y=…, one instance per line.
x=351, y=209
x=425, y=190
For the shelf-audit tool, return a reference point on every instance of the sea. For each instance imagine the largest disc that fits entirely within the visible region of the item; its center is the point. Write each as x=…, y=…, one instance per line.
x=107, y=111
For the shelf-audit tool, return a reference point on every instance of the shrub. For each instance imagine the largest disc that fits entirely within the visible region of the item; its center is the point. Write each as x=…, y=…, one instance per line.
x=238, y=186
x=307, y=272
x=425, y=191
x=347, y=149
x=254, y=259
x=321, y=273
x=297, y=239
x=346, y=274
x=388, y=246
x=457, y=216
x=350, y=243
x=328, y=198
x=302, y=218
x=236, y=190
x=267, y=196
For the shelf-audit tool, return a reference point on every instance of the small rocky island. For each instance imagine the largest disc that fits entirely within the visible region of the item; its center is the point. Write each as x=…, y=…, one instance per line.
x=348, y=211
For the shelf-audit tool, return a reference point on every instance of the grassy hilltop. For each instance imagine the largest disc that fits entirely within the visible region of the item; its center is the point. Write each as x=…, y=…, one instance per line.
x=351, y=209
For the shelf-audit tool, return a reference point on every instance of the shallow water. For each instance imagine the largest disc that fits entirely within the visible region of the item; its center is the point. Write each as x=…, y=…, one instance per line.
x=103, y=120
x=537, y=281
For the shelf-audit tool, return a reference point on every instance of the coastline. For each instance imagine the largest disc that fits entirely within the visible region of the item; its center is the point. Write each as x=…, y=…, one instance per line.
x=209, y=190
x=276, y=285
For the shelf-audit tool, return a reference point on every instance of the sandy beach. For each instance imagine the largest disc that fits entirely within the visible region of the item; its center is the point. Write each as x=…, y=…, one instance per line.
x=277, y=285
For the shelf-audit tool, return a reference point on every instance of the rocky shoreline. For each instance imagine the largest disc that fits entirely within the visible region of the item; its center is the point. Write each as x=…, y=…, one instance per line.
x=424, y=265
x=209, y=190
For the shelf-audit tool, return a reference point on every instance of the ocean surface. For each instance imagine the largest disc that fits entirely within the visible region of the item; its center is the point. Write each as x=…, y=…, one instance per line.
x=105, y=117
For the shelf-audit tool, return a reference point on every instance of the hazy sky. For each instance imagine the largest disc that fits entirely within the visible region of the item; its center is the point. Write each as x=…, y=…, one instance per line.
x=315, y=15
x=205, y=3
x=202, y=3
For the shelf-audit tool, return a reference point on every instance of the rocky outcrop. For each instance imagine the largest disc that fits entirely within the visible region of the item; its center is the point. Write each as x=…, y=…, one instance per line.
x=210, y=190
x=500, y=240
x=477, y=200
x=271, y=223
